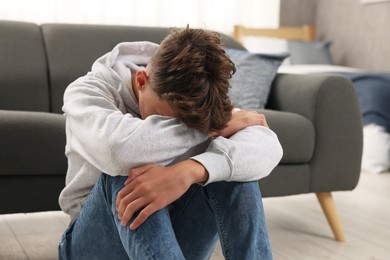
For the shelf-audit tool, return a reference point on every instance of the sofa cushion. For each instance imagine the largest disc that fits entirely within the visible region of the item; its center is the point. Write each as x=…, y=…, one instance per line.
x=296, y=135
x=23, y=70
x=33, y=143
x=251, y=84
x=286, y=179
x=310, y=52
x=66, y=43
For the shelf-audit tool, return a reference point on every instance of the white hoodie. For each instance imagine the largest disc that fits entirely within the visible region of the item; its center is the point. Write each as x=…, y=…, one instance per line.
x=106, y=135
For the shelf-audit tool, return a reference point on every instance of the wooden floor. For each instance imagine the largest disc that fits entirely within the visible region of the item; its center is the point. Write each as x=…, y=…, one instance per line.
x=297, y=227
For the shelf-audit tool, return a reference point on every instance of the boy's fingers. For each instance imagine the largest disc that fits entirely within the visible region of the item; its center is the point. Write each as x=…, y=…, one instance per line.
x=131, y=177
x=131, y=209
x=135, y=172
x=121, y=194
x=142, y=216
x=125, y=204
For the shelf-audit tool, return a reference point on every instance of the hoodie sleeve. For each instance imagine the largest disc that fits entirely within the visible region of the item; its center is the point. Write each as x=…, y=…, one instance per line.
x=115, y=142
x=250, y=154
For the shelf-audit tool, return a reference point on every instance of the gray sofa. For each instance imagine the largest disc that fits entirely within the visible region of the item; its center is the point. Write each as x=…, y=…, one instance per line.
x=316, y=117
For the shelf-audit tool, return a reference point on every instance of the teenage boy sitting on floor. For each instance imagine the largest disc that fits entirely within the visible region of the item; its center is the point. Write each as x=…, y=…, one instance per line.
x=159, y=165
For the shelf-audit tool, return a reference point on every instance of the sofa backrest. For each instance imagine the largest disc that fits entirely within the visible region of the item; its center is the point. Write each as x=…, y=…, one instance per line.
x=72, y=49
x=37, y=62
x=23, y=69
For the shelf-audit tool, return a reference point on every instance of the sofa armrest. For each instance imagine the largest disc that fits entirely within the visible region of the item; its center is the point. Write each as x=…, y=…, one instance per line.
x=330, y=103
x=32, y=143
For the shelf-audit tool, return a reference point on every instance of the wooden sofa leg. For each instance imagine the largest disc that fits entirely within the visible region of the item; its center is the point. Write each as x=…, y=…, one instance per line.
x=329, y=208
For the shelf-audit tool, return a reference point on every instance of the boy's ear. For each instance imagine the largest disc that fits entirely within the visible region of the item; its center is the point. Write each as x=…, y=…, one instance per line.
x=141, y=77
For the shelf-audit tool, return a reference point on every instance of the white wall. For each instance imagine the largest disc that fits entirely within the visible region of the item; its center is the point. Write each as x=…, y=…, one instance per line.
x=218, y=15
x=359, y=32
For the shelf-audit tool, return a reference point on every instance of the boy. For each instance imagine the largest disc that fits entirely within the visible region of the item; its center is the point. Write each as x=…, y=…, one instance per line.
x=139, y=143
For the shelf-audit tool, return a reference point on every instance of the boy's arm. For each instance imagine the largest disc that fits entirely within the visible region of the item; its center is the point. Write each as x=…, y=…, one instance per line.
x=115, y=142
x=254, y=149
x=250, y=153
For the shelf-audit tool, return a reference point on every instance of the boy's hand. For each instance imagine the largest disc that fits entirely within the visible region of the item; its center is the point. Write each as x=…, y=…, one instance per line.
x=151, y=188
x=240, y=120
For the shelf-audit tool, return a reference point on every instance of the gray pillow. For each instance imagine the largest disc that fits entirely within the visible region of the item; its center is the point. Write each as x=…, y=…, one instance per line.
x=309, y=52
x=251, y=84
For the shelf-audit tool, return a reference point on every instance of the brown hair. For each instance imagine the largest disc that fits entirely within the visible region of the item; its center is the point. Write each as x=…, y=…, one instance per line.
x=191, y=71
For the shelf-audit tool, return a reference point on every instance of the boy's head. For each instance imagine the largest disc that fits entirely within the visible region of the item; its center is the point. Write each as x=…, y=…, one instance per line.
x=191, y=72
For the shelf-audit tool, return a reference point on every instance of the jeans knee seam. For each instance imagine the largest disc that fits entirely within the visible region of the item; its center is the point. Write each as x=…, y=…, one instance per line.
x=224, y=239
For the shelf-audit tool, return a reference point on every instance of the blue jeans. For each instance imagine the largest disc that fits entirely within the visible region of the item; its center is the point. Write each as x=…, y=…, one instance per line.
x=230, y=211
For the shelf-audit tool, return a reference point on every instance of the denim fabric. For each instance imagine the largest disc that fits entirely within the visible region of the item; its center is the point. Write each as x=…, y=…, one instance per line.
x=373, y=90
x=229, y=210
